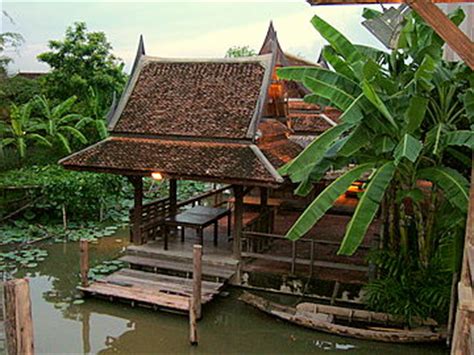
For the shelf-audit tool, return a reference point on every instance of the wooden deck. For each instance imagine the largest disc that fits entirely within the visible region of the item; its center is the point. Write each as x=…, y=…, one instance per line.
x=149, y=289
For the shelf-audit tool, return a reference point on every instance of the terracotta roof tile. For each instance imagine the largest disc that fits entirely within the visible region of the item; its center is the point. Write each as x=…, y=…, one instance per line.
x=280, y=152
x=207, y=99
x=202, y=160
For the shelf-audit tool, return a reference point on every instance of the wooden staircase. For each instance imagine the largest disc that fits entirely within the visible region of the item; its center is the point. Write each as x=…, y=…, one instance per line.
x=162, y=279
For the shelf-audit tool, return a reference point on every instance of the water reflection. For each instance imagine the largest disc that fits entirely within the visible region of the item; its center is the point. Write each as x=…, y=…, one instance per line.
x=103, y=327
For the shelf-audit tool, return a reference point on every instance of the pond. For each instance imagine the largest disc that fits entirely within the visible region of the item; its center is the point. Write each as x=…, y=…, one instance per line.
x=62, y=324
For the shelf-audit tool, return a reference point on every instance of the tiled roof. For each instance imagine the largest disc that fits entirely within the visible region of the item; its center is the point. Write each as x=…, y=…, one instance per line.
x=193, y=159
x=196, y=98
x=274, y=142
x=314, y=124
x=191, y=119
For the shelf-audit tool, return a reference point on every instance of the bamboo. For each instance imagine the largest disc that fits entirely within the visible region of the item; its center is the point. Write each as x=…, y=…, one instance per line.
x=84, y=251
x=18, y=319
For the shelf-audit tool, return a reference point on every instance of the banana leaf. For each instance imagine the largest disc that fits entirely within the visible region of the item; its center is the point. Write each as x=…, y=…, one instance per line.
x=329, y=77
x=373, y=97
x=337, y=40
x=461, y=138
x=454, y=185
x=323, y=202
x=315, y=151
x=337, y=96
x=415, y=113
x=366, y=209
x=409, y=147
x=469, y=104
x=339, y=65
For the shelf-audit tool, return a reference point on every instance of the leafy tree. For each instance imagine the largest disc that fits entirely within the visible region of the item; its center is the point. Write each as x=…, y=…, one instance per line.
x=8, y=40
x=240, y=51
x=405, y=114
x=18, y=90
x=57, y=122
x=20, y=131
x=81, y=60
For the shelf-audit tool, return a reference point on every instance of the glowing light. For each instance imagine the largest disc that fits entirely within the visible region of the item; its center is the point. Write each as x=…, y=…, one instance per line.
x=156, y=176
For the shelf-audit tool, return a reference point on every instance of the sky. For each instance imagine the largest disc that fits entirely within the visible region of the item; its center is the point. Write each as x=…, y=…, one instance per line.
x=177, y=28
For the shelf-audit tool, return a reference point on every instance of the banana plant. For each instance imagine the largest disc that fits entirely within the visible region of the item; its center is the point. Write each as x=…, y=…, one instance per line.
x=20, y=130
x=401, y=113
x=95, y=114
x=58, y=122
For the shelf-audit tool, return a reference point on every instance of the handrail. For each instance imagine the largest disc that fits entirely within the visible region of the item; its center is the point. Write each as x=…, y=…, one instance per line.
x=202, y=196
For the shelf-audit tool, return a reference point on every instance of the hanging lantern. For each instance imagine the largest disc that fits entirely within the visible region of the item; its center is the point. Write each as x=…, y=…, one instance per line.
x=157, y=176
x=388, y=26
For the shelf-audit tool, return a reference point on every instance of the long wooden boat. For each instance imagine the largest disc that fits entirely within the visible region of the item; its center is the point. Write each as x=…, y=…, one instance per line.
x=327, y=319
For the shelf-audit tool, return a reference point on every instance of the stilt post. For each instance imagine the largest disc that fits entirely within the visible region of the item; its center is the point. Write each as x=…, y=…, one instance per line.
x=195, y=310
x=84, y=251
x=238, y=214
x=18, y=319
x=136, y=236
x=173, y=195
x=197, y=278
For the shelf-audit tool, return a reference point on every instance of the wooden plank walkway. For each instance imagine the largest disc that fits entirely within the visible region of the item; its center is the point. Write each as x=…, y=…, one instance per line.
x=208, y=271
x=150, y=289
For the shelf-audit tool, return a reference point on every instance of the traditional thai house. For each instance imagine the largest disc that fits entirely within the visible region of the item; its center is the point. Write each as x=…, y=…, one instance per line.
x=305, y=121
x=203, y=120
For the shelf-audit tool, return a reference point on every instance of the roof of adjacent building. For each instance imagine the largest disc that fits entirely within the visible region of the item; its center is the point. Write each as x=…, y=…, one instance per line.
x=192, y=119
x=310, y=119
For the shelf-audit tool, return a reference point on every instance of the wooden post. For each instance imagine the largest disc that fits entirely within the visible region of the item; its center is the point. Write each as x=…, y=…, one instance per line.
x=84, y=251
x=193, y=336
x=173, y=194
x=197, y=278
x=195, y=310
x=238, y=214
x=136, y=236
x=63, y=209
x=18, y=319
x=264, y=208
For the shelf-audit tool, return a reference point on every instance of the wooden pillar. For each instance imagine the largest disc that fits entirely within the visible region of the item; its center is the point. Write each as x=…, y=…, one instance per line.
x=18, y=319
x=136, y=235
x=173, y=195
x=84, y=251
x=195, y=309
x=238, y=216
x=264, y=208
x=197, y=279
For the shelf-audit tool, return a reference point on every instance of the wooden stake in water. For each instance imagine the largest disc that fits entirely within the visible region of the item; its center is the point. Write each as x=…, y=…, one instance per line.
x=84, y=251
x=195, y=300
x=18, y=319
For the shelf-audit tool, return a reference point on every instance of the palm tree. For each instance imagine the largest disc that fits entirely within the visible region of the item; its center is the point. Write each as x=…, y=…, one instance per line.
x=58, y=122
x=20, y=130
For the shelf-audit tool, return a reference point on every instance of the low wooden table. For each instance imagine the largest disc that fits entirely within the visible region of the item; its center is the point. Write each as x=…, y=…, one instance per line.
x=198, y=217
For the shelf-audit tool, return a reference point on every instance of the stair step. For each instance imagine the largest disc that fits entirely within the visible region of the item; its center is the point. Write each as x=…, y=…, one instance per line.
x=187, y=267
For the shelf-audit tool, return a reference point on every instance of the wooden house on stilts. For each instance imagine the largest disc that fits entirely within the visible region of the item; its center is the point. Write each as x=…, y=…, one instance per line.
x=205, y=120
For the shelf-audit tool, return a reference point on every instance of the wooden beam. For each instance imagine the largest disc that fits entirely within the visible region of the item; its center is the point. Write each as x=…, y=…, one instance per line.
x=446, y=29
x=368, y=2
x=18, y=319
x=238, y=214
x=136, y=236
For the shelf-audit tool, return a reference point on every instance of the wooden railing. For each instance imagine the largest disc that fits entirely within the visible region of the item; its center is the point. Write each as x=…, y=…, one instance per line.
x=463, y=335
x=257, y=245
x=153, y=213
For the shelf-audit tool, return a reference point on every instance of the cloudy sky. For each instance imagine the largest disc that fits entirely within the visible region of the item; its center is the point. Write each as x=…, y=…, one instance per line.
x=177, y=28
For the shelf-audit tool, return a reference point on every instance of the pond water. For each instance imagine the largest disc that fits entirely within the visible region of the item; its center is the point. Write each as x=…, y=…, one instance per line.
x=228, y=326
